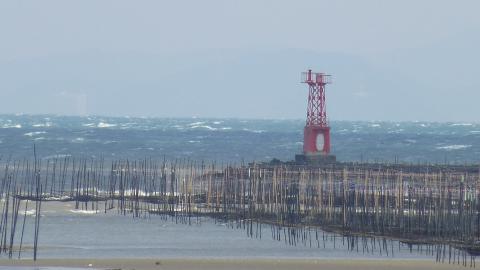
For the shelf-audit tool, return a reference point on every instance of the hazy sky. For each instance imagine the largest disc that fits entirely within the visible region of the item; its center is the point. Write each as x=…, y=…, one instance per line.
x=390, y=60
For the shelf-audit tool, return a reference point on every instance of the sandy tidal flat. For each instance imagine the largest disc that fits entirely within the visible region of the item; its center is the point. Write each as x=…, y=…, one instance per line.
x=233, y=264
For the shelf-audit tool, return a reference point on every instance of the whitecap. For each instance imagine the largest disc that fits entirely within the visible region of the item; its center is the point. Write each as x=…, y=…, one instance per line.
x=105, y=125
x=57, y=198
x=127, y=125
x=89, y=125
x=84, y=212
x=253, y=130
x=453, y=147
x=205, y=127
x=396, y=131
x=12, y=126
x=78, y=140
x=226, y=128
x=461, y=124
x=39, y=138
x=28, y=212
x=48, y=124
x=30, y=134
x=374, y=125
x=217, y=122
x=196, y=123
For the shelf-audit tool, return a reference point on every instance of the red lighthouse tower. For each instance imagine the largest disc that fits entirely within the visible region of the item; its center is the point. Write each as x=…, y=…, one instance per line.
x=316, y=134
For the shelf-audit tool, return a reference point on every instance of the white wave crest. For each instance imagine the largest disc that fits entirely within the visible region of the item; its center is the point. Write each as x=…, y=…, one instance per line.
x=253, y=130
x=78, y=140
x=461, y=124
x=204, y=127
x=454, y=147
x=178, y=127
x=28, y=212
x=196, y=123
x=30, y=134
x=105, y=125
x=12, y=126
x=47, y=124
x=57, y=198
x=83, y=212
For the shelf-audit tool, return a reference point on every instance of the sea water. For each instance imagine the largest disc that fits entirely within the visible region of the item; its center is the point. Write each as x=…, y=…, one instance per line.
x=232, y=140
x=68, y=233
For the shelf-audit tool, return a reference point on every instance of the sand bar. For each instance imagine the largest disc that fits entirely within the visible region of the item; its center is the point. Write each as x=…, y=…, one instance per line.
x=235, y=264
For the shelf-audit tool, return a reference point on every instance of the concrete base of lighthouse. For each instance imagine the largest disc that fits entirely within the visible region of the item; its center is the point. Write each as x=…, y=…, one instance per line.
x=316, y=146
x=316, y=159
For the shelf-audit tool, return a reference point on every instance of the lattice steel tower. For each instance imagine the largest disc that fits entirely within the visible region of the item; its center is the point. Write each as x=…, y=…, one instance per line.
x=316, y=134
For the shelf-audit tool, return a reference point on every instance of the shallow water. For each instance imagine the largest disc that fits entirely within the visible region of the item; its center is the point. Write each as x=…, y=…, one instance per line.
x=75, y=234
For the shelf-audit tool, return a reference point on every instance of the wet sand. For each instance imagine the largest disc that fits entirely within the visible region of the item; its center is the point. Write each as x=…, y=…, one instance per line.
x=234, y=264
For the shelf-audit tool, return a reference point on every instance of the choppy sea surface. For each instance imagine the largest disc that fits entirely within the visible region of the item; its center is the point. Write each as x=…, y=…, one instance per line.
x=232, y=140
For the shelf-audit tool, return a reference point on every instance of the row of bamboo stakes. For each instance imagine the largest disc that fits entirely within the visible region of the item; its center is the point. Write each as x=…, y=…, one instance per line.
x=435, y=209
